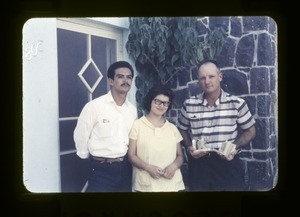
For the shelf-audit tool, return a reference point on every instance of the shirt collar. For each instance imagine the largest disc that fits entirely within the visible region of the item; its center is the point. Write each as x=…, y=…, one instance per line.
x=149, y=124
x=109, y=98
x=222, y=98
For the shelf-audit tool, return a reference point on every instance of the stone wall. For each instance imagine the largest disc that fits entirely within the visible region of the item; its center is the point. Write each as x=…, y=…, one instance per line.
x=248, y=62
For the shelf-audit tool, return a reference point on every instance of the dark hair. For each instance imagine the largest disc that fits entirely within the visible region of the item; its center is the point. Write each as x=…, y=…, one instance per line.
x=208, y=61
x=157, y=90
x=119, y=64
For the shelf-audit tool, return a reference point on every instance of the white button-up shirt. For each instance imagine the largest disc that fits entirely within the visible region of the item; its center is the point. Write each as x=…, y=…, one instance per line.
x=103, y=128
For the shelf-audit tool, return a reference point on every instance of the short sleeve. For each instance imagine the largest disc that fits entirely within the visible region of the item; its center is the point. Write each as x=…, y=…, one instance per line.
x=183, y=121
x=177, y=134
x=245, y=119
x=133, y=134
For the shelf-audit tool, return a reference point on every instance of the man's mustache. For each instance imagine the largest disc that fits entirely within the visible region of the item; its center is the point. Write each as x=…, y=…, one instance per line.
x=125, y=84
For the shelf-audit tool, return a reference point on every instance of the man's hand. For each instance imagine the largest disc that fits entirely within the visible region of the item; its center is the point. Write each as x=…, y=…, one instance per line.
x=228, y=157
x=196, y=153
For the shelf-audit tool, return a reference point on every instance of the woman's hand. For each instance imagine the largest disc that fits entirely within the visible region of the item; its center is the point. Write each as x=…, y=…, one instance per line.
x=154, y=171
x=169, y=171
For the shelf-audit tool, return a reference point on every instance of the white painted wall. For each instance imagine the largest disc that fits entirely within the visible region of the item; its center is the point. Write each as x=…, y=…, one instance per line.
x=40, y=106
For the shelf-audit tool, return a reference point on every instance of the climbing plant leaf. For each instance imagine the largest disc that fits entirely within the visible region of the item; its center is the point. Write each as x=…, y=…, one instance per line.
x=163, y=46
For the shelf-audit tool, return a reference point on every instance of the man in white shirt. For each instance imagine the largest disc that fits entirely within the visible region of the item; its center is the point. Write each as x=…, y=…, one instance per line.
x=101, y=133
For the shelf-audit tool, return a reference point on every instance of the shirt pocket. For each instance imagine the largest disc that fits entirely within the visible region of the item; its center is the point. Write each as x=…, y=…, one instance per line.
x=194, y=116
x=104, y=128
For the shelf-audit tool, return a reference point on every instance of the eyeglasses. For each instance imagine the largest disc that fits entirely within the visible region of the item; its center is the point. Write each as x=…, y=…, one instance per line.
x=159, y=102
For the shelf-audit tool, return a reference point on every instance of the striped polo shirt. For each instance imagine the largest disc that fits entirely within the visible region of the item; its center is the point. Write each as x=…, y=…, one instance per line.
x=218, y=123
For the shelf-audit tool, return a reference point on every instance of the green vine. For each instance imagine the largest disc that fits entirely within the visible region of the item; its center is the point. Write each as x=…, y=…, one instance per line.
x=163, y=46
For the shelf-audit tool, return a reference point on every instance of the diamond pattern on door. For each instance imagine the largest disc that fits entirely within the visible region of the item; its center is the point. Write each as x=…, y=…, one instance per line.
x=90, y=75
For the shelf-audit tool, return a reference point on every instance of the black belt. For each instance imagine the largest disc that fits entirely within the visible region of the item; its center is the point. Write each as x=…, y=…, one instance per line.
x=108, y=160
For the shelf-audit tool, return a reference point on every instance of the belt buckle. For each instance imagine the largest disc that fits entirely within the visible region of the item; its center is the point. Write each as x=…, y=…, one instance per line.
x=110, y=161
x=102, y=161
x=119, y=159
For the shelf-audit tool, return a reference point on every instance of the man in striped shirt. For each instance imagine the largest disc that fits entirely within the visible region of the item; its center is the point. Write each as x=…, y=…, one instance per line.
x=216, y=117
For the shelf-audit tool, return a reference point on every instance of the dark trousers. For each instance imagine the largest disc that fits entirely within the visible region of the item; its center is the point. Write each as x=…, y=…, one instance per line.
x=109, y=177
x=212, y=173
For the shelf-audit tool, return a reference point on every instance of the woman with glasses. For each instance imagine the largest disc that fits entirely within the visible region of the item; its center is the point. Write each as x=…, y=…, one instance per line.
x=154, y=146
